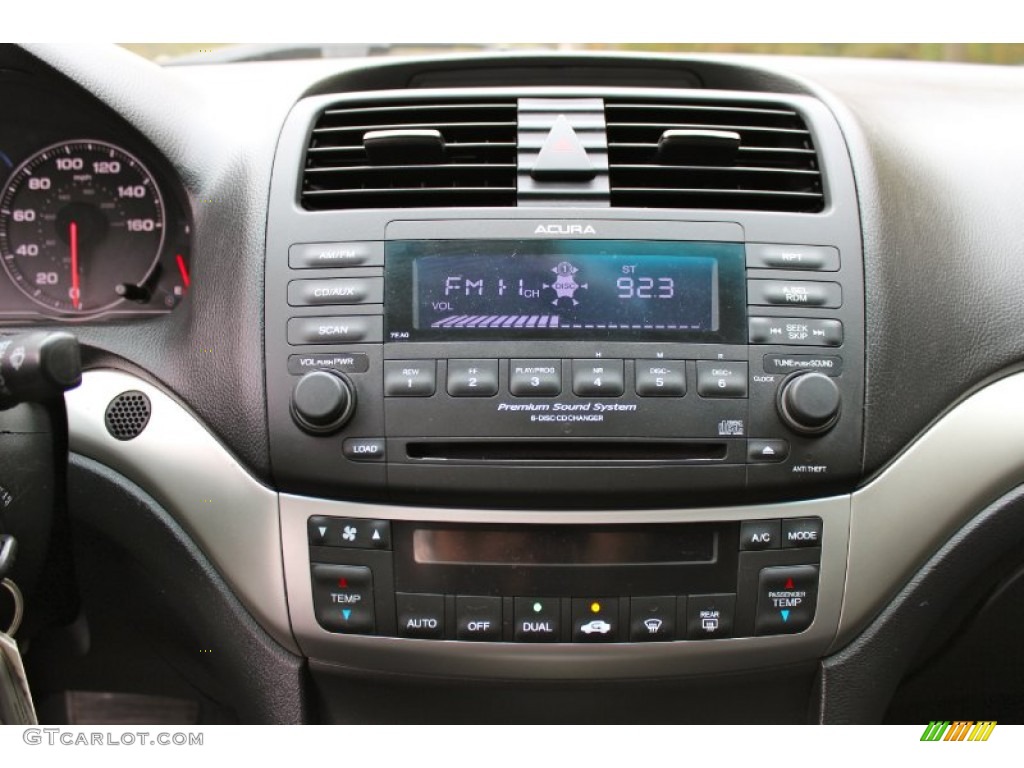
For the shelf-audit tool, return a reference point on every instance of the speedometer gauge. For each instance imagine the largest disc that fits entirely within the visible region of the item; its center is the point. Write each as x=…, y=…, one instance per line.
x=81, y=226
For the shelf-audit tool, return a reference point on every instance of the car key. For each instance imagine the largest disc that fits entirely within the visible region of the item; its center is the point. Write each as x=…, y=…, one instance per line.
x=16, y=707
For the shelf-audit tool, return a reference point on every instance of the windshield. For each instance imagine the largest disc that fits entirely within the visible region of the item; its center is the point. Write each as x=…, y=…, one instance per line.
x=208, y=53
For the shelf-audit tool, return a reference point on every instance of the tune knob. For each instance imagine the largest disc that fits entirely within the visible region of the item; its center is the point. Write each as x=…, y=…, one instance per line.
x=322, y=402
x=809, y=403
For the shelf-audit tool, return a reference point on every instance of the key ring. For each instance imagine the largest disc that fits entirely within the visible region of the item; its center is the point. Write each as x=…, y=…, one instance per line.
x=19, y=605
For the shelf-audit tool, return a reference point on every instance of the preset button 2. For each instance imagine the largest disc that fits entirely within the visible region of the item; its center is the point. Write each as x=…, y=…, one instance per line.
x=472, y=378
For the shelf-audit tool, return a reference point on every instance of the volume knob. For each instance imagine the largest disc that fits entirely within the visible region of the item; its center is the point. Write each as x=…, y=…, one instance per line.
x=322, y=402
x=809, y=403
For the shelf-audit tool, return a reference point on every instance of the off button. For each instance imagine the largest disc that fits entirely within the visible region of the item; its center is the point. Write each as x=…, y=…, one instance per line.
x=478, y=618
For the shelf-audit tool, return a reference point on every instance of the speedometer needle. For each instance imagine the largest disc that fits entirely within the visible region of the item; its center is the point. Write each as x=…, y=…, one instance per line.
x=76, y=295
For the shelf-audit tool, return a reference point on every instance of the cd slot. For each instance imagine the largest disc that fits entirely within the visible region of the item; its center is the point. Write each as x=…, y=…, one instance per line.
x=571, y=451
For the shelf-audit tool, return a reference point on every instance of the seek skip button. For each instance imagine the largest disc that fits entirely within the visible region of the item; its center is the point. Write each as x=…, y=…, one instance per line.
x=364, y=449
x=721, y=378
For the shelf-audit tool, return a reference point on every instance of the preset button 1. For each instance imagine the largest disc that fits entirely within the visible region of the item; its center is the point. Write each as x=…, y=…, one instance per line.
x=410, y=378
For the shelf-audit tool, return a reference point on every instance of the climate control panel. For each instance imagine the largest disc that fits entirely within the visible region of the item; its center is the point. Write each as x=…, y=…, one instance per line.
x=564, y=584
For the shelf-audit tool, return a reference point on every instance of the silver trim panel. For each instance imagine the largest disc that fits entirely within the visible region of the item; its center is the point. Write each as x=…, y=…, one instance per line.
x=966, y=460
x=885, y=531
x=231, y=516
x=562, y=662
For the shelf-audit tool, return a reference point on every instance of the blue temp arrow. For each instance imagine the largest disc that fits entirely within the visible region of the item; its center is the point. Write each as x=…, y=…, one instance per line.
x=346, y=612
x=785, y=615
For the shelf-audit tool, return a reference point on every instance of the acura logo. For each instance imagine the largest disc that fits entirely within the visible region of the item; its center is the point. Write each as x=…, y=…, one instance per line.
x=564, y=229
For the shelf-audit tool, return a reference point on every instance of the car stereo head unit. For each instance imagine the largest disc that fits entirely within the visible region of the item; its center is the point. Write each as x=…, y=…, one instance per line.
x=587, y=362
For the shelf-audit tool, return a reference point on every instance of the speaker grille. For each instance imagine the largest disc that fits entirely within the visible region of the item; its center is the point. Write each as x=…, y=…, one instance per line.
x=127, y=415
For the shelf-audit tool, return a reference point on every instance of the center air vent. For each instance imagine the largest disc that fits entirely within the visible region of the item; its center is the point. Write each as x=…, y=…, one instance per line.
x=674, y=154
x=412, y=154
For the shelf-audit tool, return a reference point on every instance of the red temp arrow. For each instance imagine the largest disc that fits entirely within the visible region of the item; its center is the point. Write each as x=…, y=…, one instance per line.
x=342, y=583
x=789, y=583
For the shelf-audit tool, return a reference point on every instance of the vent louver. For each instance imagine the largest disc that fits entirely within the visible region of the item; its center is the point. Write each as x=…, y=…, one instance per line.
x=423, y=154
x=774, y=167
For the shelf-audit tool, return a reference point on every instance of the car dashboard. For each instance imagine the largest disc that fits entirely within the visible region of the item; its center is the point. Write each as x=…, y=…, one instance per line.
x=529, y=387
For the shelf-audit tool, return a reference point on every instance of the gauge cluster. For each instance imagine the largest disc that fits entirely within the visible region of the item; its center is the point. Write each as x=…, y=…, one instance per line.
x=92, y=226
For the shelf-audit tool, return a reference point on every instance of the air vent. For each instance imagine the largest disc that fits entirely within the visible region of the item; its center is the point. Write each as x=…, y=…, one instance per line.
x=421, y=154
x=673, y=154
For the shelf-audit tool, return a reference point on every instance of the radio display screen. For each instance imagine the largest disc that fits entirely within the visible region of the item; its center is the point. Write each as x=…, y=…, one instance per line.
x=565, y=289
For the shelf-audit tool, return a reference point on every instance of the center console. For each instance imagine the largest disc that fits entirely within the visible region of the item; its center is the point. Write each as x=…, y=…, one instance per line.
x=564, y=427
